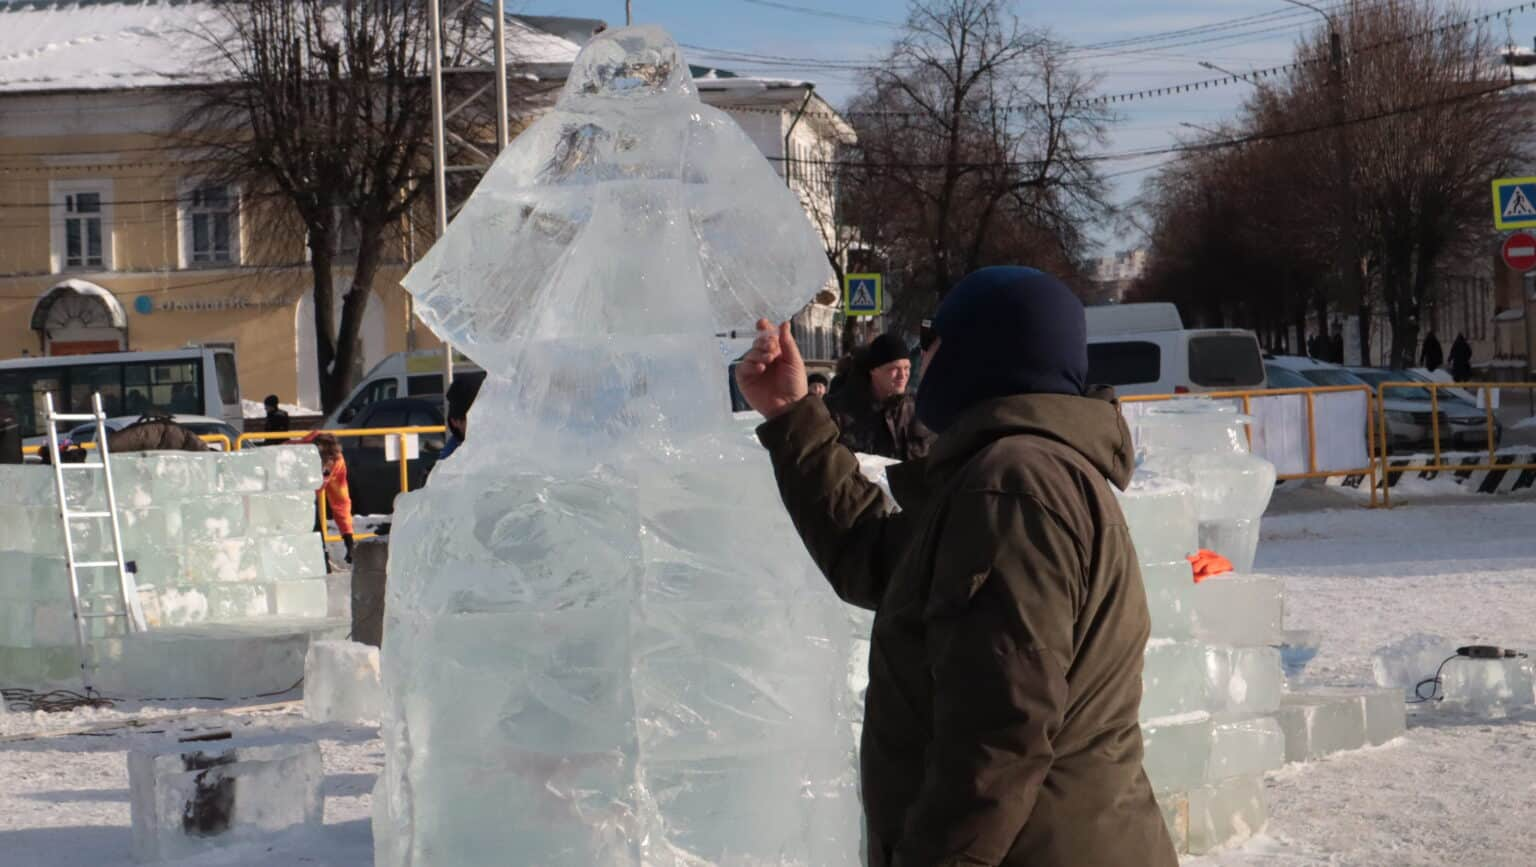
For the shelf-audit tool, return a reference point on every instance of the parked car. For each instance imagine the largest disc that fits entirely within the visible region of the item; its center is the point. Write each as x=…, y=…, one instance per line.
x=1145, y=349
x=401, y=375
x=1280, y=377
x=201, y=425
x=1410, y=422
x=1468, y=424
x=373, y=479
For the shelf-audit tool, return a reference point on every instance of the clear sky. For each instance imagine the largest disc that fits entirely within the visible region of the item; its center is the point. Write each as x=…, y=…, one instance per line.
x=1237, y=35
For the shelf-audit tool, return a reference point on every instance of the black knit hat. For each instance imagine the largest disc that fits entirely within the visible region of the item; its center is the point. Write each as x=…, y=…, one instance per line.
x=885, y=349
x=817, y=377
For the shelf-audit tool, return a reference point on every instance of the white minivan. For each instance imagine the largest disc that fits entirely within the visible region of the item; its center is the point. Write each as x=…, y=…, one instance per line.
x=1145, y=349
x=404, y=374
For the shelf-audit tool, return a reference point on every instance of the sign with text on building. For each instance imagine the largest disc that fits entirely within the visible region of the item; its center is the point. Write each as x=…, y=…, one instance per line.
x=863, y=294
x=1514, y=203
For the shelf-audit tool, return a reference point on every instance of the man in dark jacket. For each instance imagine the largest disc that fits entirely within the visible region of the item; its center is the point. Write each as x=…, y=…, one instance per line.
x=873, y=412
x=1005, y=666
x=1461, y=359
x=1431, y=356
x=277, y=417
x=10, y=435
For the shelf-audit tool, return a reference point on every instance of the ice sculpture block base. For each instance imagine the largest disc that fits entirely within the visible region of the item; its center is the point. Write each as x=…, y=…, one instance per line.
x=341, y=682
x=1492, y=688
x=188, y=798
x=214, y=660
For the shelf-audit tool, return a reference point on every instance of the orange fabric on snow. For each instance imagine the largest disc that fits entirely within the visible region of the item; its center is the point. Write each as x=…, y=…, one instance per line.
x=1208, y=564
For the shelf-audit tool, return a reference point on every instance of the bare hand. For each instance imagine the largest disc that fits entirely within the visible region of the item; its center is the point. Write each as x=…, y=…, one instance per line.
x=772, y=374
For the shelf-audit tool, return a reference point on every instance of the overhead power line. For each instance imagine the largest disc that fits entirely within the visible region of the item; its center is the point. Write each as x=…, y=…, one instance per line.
x=1143, y=153
x=822, y=13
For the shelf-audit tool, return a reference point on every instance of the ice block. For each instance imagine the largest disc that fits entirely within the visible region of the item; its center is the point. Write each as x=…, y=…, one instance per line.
x=1240, y=609
x=189, y=798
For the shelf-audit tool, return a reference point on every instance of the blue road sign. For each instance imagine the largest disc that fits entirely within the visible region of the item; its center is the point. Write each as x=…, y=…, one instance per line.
x=863, y=295
x=1514, y=203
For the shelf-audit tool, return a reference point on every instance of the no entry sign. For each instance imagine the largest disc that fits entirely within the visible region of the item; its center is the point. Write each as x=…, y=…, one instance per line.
x=1520, y=252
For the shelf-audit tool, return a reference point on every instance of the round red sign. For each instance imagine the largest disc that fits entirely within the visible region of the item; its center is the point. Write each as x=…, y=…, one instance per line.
x=1520, y=252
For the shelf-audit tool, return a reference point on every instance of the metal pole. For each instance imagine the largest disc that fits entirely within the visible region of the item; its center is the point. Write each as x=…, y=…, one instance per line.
x=502, y=126
x=629, y=13
x=439, y=159
x=1353, y=280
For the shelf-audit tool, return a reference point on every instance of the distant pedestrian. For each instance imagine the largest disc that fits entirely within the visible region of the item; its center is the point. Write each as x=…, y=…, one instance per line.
x=338, y=496
x=1431, y=356
x=1337, y=345
x=1461, y=359
x=277, y=418
x=817, y=384
x=873, y=412
x=461, y=397
x=10, y=435
x=1315, y=347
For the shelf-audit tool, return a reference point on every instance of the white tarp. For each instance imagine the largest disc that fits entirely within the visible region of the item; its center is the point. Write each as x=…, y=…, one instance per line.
x=1279, y=432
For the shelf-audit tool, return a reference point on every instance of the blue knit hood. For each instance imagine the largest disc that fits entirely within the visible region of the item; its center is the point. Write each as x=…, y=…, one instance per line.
x=1005, y=331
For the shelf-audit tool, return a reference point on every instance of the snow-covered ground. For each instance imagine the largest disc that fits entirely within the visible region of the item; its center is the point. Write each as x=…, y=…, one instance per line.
x=257, y=409
x=1453, y=791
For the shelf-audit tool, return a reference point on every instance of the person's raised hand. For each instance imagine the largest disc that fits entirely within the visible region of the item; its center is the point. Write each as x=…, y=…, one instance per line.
x=772, y=374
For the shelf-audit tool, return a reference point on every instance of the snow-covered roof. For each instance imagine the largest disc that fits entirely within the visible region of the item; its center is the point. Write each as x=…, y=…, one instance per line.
x=53, y=45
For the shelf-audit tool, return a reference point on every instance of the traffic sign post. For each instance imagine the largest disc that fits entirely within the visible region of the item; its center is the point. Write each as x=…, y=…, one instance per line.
x=863, y=295
x=1514, y=203
x=1520, y=252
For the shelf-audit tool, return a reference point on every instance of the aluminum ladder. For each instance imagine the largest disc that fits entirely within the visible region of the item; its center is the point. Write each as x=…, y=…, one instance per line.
x=127, y=588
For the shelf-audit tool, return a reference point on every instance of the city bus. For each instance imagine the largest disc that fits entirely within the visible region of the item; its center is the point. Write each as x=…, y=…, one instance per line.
x=193, y=381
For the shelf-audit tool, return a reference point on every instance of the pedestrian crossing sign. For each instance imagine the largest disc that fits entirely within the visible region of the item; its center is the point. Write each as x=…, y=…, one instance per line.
x=1514, y=203
x=863, y=295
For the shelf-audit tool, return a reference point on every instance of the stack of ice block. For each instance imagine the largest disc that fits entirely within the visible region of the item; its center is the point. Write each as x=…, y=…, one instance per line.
x=211, y=538
x=1210, y=684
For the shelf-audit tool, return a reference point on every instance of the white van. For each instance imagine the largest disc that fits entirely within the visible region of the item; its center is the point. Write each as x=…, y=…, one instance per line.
x=404, y=374
x=1145, y=349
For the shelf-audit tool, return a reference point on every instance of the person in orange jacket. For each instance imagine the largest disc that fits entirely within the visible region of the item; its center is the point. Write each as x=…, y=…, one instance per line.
x=338, y=498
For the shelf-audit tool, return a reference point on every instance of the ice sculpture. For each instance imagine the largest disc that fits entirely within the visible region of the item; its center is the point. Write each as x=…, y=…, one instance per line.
x=604, y=644
x=1203, y=443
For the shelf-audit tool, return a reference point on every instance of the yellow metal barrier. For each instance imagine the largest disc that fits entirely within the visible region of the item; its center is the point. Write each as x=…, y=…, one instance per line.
x=1434, y=388
x=346, y=433
x=1247, y=396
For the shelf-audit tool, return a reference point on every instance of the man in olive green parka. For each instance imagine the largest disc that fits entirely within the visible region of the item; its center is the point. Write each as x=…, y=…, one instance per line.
x=1005, y=667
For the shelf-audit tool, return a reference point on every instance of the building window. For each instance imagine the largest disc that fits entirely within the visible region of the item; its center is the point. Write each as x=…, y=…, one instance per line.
x=209, y=212
x=82, y=230
x=82, y=225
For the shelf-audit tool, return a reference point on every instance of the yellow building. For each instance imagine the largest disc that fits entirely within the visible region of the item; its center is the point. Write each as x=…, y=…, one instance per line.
x=111, y=240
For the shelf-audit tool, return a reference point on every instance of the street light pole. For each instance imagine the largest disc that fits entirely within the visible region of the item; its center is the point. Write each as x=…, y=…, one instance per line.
x=1354, y=280
x=1206, y=64
x=629, y=12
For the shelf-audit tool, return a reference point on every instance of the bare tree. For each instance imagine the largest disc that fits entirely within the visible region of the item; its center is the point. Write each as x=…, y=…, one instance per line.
x=973, y=140
x=324, y=115
x=1426, y=127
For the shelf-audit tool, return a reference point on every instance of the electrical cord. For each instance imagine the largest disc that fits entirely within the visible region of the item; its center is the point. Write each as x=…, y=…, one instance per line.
x=1434, y=684
x=64, y=700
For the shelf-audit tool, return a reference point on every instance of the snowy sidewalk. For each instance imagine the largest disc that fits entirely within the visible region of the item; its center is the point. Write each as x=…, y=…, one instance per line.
x=1452, y=792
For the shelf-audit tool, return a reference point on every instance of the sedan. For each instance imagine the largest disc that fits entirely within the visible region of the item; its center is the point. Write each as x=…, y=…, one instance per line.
x=374, y=480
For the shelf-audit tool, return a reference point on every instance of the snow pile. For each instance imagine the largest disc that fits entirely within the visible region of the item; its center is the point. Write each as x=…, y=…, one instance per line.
x=257, y=409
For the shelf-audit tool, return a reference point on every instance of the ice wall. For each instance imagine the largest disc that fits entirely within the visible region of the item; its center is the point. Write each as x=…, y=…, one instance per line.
x=212, y=537
x=604, y=644
x=1211, y=681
